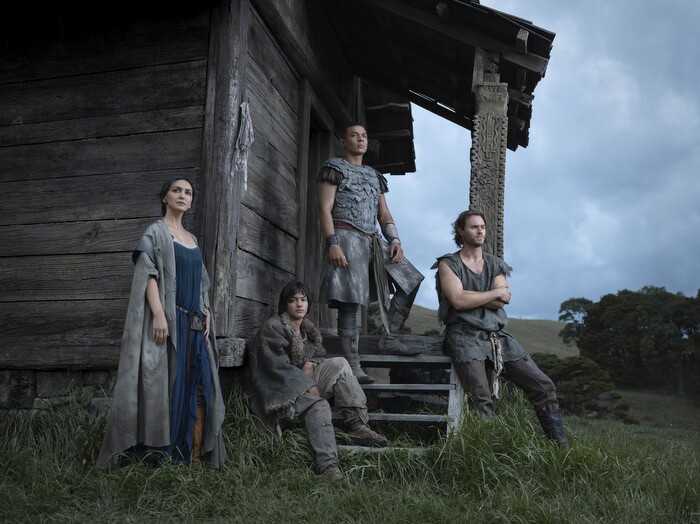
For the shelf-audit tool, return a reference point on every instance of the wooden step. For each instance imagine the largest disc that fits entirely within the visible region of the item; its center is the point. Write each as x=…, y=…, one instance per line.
x=430, y=357
x=368, y=343
x=401, y=361
x=410, y=417
x=412, y=388
x=403, y=417
x=389, y=449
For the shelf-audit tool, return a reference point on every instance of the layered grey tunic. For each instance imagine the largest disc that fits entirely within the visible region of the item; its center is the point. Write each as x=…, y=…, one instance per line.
x=140, y=411
x=467, y=333
x=356, y=204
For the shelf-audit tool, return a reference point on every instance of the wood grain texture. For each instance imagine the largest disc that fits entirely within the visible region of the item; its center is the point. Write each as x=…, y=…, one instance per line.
x=139, y=122
x=108, y=93
x=98, y=197
x=66, y=277
x=223, y=181
x=262, y=239
x=122, y=154
x=250, y=315
x=81, y=334
x=125, y=44
x=100, y=236
x=258, y=279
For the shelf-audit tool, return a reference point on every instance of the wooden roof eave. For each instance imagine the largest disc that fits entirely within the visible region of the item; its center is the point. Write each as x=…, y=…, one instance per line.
x=383, y=50
x=464, y=35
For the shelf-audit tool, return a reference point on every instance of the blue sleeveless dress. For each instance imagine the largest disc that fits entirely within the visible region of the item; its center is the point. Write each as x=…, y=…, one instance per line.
x=193, y=369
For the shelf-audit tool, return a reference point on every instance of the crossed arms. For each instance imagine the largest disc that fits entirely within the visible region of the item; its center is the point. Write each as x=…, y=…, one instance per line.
x=460, y=298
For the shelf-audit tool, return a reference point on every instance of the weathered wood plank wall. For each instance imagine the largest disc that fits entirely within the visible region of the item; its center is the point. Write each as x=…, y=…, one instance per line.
x=93, y=118
x=269, y=227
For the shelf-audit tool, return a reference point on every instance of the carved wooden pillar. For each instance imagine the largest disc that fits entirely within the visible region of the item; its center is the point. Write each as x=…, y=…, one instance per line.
x=488, y=160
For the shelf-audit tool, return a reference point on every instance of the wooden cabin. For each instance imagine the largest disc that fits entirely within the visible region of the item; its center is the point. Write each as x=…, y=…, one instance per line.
x=100, y=104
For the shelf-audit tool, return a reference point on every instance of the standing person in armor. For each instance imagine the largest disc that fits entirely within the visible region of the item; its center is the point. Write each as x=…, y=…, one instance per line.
x=360, y=267
x=472, y=289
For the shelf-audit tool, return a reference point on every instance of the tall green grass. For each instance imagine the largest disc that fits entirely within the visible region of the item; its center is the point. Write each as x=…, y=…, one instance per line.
x=497, y=471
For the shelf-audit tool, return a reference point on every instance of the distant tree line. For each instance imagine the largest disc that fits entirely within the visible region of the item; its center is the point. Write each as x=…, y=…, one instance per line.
x=644, y=339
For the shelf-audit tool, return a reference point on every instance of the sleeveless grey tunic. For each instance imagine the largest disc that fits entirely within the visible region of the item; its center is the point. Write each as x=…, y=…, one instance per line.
x=467, y=331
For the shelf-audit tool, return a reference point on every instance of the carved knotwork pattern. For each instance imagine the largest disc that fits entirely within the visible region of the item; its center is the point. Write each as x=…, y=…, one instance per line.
x=488, y=161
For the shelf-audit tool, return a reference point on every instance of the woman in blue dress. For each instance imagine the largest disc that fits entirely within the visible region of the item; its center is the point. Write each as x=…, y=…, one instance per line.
x=167, y=396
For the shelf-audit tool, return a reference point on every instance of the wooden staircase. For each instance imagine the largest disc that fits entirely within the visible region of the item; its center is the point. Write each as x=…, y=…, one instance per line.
x=431, y=357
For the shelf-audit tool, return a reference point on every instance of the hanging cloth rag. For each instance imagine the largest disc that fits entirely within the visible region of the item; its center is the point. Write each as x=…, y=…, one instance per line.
x=243, y=143
x=497, y=359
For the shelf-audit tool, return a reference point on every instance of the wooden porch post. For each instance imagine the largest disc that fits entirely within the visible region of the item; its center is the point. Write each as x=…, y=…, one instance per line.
x=222, y=182
x=488, y=152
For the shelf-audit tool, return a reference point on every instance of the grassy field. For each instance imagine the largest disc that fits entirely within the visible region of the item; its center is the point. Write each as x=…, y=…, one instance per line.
x=500, y=471
x=497, y=471
x=657, y=409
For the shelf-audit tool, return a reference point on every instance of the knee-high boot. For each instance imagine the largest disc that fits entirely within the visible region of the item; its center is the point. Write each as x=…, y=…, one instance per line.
x=349, y=344
x=553, y=427
x=317, y=417
x=397, y=315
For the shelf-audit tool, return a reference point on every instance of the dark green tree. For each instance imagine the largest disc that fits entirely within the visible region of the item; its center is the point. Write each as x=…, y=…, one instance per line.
x=647, y=338
x=579, y=380
x=573, y=312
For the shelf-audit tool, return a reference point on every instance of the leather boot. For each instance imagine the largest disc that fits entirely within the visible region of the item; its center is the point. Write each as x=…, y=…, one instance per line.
x=553, y=427
x=351, y=402
x=396, y=317
x=349, y=344
x=198, y=431
x=332, y=473
x=317, y=418
x=360, y=432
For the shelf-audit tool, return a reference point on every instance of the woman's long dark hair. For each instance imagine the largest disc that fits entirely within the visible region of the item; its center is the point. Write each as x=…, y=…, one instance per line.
x=166, y=187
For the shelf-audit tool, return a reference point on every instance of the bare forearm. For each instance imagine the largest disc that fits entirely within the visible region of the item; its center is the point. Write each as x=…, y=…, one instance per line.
x=326, y=220
x=496, y=304
x=474, y=299
x=325, y=196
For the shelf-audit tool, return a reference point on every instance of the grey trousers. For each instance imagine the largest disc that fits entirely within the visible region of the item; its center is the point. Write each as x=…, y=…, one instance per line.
x=524, y=373
x=334, y=378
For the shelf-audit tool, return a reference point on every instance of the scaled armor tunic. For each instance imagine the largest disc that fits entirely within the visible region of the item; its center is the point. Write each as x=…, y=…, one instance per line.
x=467, y=332
x=356, y=204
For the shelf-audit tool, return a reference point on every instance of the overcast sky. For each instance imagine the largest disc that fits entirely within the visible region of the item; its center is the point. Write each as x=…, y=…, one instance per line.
x=607, y=195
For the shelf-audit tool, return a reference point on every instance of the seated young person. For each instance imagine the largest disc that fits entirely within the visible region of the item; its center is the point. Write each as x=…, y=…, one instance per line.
x=290, y=377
